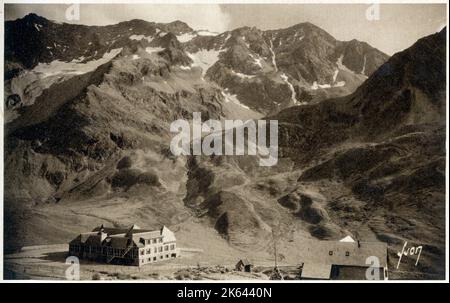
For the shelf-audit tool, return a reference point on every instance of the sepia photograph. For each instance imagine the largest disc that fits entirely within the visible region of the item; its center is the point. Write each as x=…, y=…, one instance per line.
x=188, y=141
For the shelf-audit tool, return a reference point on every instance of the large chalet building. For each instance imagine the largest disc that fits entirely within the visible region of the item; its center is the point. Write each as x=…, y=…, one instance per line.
x=346, y=259
x=129, y=246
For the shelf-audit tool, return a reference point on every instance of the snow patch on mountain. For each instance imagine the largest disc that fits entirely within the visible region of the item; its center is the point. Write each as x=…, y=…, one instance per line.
x=243, y=76
x=204, y=58
x=183, y=67
x=316, y=86
x=363, y=71
x=186, y=37
x=299, y=39
x=274, y=61
x=336, y=72
x=58, y=67
x=285, y=78
x=141, y=37
x=228, y=37
x=78, y=60
x=341, y=66
x=233, y=98
x=30, y=84
x=152, y=50
x=257, y=60
x=339, y=84
x=206, y=33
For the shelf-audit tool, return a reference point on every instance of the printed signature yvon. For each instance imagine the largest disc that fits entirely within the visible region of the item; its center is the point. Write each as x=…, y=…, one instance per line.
x=411, y=251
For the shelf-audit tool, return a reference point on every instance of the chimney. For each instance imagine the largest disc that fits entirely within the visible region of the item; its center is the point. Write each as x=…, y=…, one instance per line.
x=100, y=229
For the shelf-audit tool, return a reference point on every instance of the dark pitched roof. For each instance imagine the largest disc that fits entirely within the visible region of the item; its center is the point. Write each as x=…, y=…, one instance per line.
x=119, y=242
x=244, y=262
x=94, y=240
x=117, y=237
x=115, y=231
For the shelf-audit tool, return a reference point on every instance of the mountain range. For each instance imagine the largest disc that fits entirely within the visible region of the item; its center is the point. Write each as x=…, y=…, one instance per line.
x=264, y=70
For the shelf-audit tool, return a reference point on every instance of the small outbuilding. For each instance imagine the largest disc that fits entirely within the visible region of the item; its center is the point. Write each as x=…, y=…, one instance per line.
x=244, y=265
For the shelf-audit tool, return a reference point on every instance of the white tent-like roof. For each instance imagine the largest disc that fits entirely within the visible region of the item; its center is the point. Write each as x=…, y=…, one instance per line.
x=347, y=239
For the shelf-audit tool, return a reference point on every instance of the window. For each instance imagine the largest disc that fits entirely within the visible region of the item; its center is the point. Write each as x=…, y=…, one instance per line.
x=347, y=253
x=160, y=249
x=330, y=252
x=155, y=250
x=154, y=258
x=154, y=241
x=160, y=240
x=172, y=246
x=161, y=257
x=142, y=252
x=166, y=248
x=167, y=256
x=149, y=251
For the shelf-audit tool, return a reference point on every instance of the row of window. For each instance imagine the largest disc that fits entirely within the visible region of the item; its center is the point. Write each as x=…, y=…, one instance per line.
x=102, y=250
x=158, y=249
x=153, y=259
x=153, y=241
x=347, y=253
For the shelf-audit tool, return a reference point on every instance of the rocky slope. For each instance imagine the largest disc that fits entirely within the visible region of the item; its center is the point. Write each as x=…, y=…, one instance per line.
x=371, y=164
x=386, y=144
x=271, y=70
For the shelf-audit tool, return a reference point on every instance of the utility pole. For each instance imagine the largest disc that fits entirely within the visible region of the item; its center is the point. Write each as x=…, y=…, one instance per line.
x=277, y=274
x=274, y=247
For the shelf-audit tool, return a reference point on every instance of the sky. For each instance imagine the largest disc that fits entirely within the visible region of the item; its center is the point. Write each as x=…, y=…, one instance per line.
x=394, y=28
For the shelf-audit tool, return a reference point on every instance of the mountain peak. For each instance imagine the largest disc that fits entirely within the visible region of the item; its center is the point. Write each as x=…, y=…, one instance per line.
x=177, y=27
x=34, y=18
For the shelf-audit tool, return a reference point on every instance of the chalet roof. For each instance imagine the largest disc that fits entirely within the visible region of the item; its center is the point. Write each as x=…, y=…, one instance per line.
x=119, y=242
x=316, y=271
x=85, y=236
x=148, y=234
x=244, y=261
x=119, y=237
x=94, y=240
x=76, y=240
x=114, y=231
x=346, y=253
